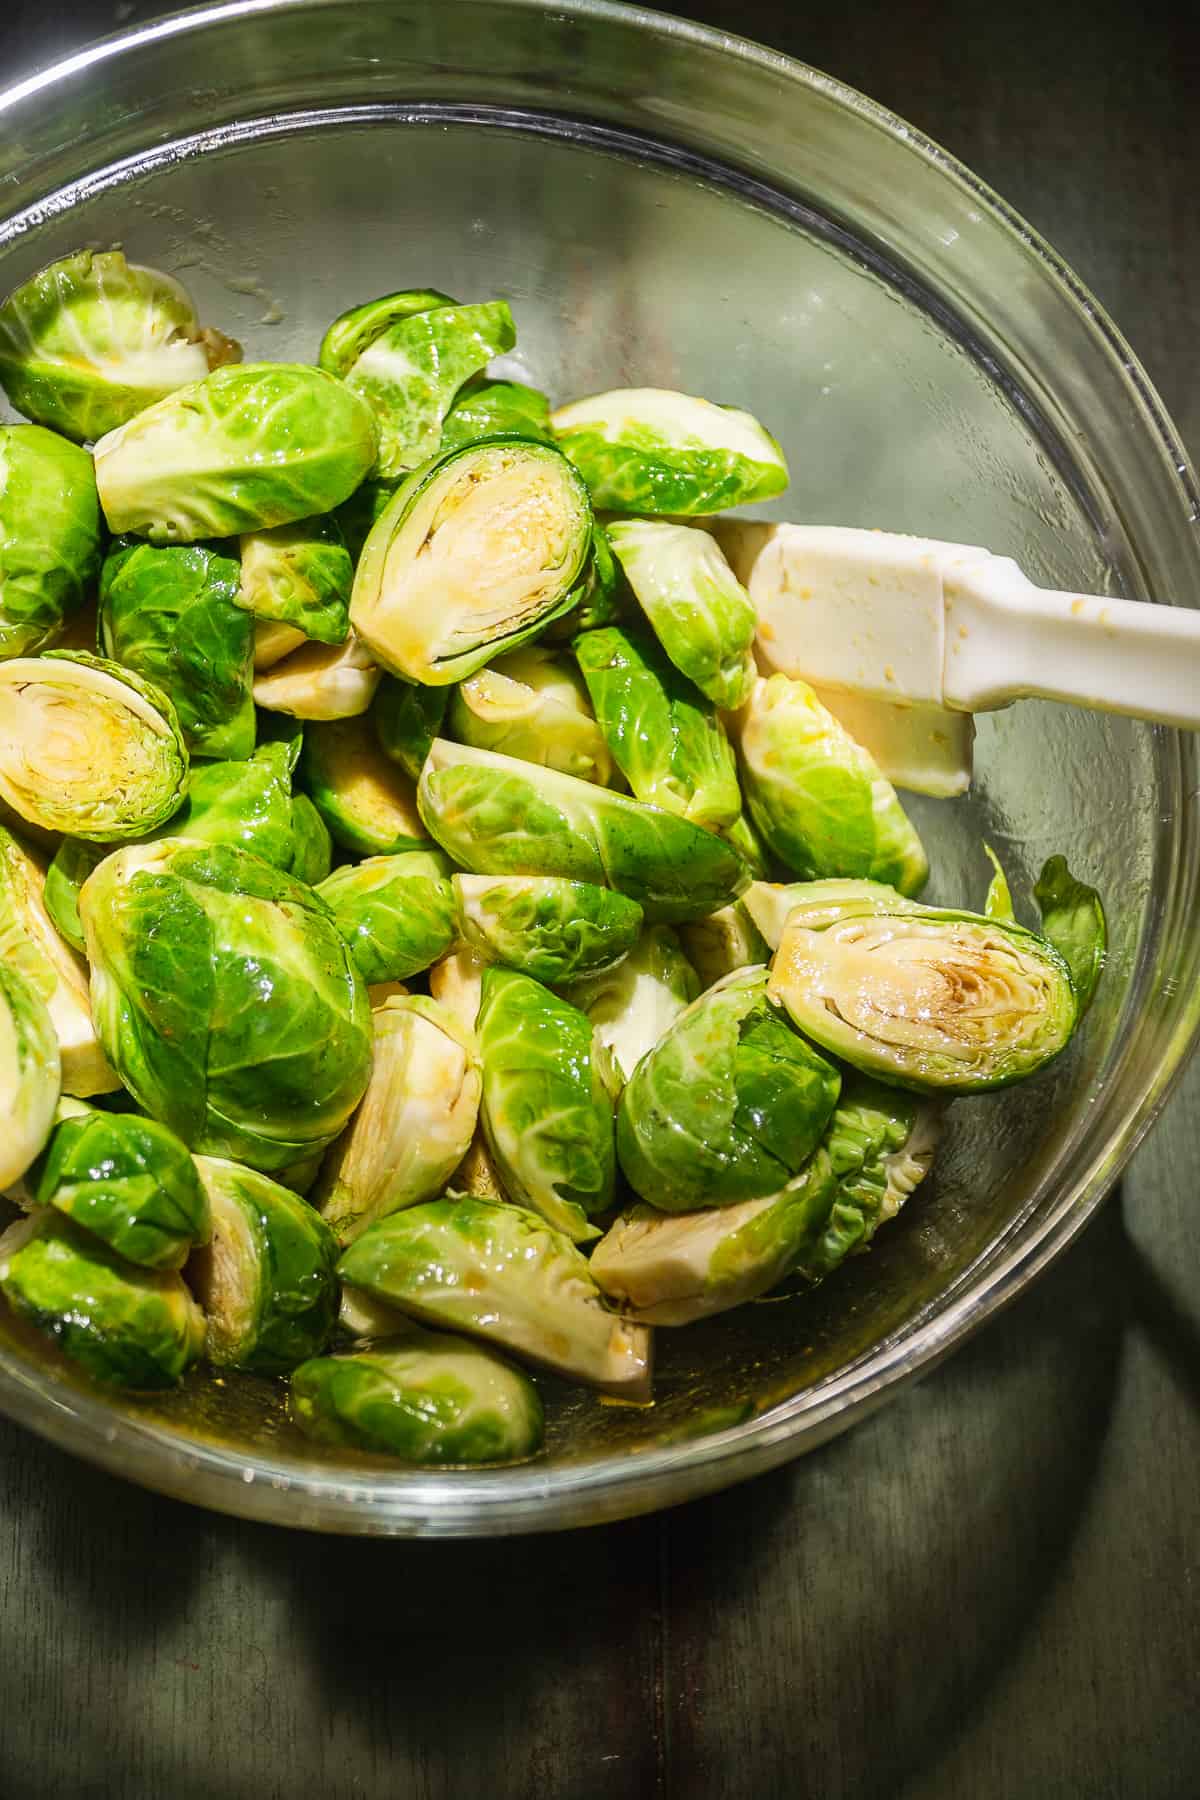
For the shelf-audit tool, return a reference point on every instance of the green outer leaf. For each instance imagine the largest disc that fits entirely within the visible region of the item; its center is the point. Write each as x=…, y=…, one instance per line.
x=395, y=912
x=532, y=704
x=129, y=1182
x=698, y=609
x=30, y=1073
x=601, y=594
x=543, y=926
x=69, y=868
x=406, y=719
x=496, y=408
x=49, y=536
x=244, y=803
x=312, y=846
x=1073, y=920
x=299, y=574
x=356, y=516
x=368, y=804
x=355, y=330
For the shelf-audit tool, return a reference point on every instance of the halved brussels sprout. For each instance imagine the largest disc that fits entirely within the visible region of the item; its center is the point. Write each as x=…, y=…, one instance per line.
x=633, y=1005
x=495, y=815
x=729, y=1104
x=531, y=704
x=129, y=1182
x=456, y=982
x=496, y=409
x=651, y=450
x=1073, y=921
x=266, y=1279
x=49, y=536
x=726, y=941
x=698, y=609
x=227, y=1000
x=251, y=446
x=273, y=642
x=169, y=612
x=127, y=1327
x=547, y=1111
x=414, y=1125
x=299, y=575
x=320, y=681
x=502, y=1274
x=91, y=340
x=406, y=720
x=88, y=748
x=770, y=904
x=543, y=926
x=476, y=552
x=312, y=846
x=369, y=805
x=665, y=737
x=395, y=912
x=427, y=1398
x=30, y=1073
x=816, y=796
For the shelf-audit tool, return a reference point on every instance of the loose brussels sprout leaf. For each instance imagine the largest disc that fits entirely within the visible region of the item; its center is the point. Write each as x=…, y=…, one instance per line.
x=495, y=815
x=816, y=796
x=395, y=912
x=726, y=941
x=227, y=1000
x=320, y=681
x=476, y=552
x=369, y=805
x=406, y=721
x=650, y=450
x=531, y=704
x=633, y=1005
x=312, y=846
x=127, y=1327
x=266, y=1280
x=300, y=575
x=927, y=999
x=816, y=904
x=429, y=1398
x=1073, y=920
x=129, y=1182
x=49, y=536
x=356, y=330
x=272, y=643
x=168, y=612
x=30, y=1073
x=502, y=1274
x=249, y=447
x=356, y=516
x=415, y=1122
x=543, y=926
x=729, y=1104
x=666, y=739
x=998, y=904
x=456, y=982
x=88, y=748
x=496, y=409
x=69, y=868
x=698, y=609
x=91, y=340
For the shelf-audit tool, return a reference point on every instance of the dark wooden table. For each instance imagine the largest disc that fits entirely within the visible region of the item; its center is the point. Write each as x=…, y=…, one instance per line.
x=989, y=1590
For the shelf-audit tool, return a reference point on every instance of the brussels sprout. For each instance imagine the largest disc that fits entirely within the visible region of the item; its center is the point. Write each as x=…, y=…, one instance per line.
x=547, y=1112
x=729, y=1104
x=476, y=552
x=456, y=982
x=49, y=536
x=929, y=999
x=359, y=327
x=168, y=612
x=312, y=847
x=495, y=815
x=247, y=804
x=406, y=721
x=361, y=1317
x=129, y=1182
x=496, y=409
x=880, y=1145
x=91, y=340
x=30, y=1073
x=69, y=868
x=650, y=450
x=544, y=926
x=88, y=748
x=502, y=1274
x=249, y=447
x=127, y=1327
x=369, y=805
x=816, y=796
x=300, y=575
x=531, y=704
x=415, y=1122
x=320, y=681
x=632, y=1006
x=227, y=1000
x=726, y=941
x=266, y=1280
x=428, y=1398
x=273, y=642
x=395, y=912
x=1073, y=921
x=770, y=903
x=666, y=739
x=698, y=609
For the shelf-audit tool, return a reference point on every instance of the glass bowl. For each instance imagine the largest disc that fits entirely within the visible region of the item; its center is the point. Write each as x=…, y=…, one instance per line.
x=665, y=205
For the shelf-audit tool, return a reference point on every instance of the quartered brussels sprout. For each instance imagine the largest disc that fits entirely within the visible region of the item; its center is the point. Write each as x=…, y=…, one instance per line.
x=299, y=575
x=665, y=737
x=502, y=1274
x=129, y=1182
x=91, y=340
x=496, y=409
x=369, y=805
x=49, y=536
x=127, y=1327
x=395, y=912
x=543, y=926
x=495, y=815
x=427, y=1398
x=168, y=612
x=406, y=721
x=266, y=1279
x=415, y=1123
x=87, y=747
x=1073, y=921
x=227, y=1000
x=476, y=552
x=816, y=796
x=770, y=904
x=632, y=1006
x=700, y=612
x=729, y=1104
x=547, y=1110
x=249, y=447
x=650, y=450
x=531, y=704
x=30, y=1073
x=726, y=941
x=320, y=681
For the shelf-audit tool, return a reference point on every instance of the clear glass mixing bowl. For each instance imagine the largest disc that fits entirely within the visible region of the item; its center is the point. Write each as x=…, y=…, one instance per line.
x=665, y=205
